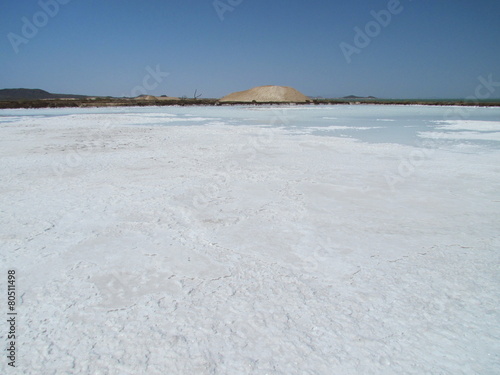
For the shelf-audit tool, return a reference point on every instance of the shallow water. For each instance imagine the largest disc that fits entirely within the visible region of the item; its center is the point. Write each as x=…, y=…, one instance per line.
x=407, y=125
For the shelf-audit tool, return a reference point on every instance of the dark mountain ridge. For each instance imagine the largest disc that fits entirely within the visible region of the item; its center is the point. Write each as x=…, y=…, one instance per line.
x=34, y=94
x=358, y=97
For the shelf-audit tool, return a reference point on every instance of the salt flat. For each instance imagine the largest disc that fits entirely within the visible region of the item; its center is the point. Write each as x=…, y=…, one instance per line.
x=253, y=240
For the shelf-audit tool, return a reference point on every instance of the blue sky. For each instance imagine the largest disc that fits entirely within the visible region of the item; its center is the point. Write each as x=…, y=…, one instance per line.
x=427, y=49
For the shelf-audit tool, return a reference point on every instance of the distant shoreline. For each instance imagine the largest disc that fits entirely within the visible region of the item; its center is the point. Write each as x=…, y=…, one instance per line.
x=118, y=102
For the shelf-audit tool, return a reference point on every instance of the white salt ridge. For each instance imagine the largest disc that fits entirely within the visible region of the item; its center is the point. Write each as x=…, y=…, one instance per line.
x=478, y=126
x=220, y=249
x=465, y=130
x=334, y=127
x=469, y=135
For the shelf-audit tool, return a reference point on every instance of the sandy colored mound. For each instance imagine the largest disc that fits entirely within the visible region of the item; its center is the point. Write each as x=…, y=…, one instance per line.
x=267, y=94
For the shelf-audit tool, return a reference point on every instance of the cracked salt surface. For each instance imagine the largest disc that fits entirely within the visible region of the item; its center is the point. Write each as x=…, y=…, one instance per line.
x=145, y=246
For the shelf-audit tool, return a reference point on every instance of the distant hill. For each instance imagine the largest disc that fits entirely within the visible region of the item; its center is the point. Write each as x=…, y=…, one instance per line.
x=33, y=94
x=358, y=97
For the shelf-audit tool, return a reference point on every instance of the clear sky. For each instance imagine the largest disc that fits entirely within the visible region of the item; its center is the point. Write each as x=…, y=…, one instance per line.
x=412, y=49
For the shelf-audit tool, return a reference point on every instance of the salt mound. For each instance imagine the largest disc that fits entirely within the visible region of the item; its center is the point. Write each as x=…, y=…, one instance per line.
x=267, y=94
x=146, y=97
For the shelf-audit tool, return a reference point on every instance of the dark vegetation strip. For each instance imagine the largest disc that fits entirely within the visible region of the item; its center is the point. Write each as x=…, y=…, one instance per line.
x=115, y=102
